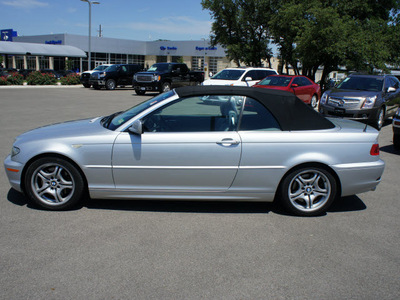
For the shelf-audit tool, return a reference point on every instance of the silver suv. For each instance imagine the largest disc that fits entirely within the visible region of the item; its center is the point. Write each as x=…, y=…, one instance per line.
x=367, y=98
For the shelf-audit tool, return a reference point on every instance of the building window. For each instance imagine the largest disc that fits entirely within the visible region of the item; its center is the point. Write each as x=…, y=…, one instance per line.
x=197, y=63
x=213, y=65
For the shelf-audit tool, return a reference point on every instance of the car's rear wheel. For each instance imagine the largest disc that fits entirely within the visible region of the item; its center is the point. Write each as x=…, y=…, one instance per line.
x=396, y=141
x=86, y=85
x=308, y=191
x=54, y=183
x=111, y=84
x=314, y=102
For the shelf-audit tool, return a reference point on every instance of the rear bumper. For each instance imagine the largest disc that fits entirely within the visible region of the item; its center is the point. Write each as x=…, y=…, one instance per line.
x=358, y=178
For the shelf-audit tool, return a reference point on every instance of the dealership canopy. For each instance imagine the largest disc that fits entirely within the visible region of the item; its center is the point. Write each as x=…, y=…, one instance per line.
x=14, y=48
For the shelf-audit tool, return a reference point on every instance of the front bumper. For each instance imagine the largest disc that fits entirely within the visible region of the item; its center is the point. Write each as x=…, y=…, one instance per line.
x=97, y=82
x=13, y=172
x=147, y=86
x=353, y=114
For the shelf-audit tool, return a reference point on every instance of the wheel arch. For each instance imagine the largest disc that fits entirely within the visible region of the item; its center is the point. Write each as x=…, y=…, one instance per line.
x=310, y=164
x=56, y=155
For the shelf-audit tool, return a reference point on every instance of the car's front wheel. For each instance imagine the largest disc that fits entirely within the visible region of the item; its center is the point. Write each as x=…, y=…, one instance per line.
x=54, y=183
x=314, y=102
x=111, y=84
x=380, y=119
x=166, y=87
x=308, y=191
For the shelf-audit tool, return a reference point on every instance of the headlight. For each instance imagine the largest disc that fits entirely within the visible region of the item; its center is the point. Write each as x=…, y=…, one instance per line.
x=323, y=98
x=14, y=151
x=103, y=74
x=156, y=78
x=369, y=102
x=135, y=77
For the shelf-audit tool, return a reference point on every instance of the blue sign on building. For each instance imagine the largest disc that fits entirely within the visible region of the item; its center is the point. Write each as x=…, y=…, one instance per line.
x=7, y=35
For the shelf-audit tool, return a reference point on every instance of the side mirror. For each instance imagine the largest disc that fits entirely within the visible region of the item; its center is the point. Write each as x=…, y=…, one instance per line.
x=391, y=89
x=136, y=127
x=248, y=79
x=294, y=85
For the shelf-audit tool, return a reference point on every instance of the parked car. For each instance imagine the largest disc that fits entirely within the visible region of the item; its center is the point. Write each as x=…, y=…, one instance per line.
x=240, y=76
x=85, y=76
x=303, y=87
x=367, y=98
x=270, y=145
x=113, y=76
x=162, y=77
x=396, y=129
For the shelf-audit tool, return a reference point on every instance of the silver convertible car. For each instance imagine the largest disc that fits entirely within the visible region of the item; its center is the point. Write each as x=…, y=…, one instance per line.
x=240, y=145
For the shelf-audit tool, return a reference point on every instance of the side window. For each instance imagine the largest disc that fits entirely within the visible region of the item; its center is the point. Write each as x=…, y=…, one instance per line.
x=387, y=83
x=251, y=74
x=196, y=114
x=257, y=117
x=394, y=82
x=305, y=81
x=297, y=81
x=124, y=69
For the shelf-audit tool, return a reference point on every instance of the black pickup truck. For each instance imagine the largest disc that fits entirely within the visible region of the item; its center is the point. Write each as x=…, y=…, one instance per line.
x=113, y=76
x=162, y=77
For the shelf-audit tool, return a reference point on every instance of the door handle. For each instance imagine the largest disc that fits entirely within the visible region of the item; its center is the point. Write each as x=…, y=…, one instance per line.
x=228, y=142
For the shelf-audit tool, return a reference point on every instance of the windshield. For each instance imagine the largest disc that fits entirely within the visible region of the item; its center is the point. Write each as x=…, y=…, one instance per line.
x=276, y=81
x=362, y=83
x=101, y=68
x=159, y=68
x=229, y=75
x=114, y=121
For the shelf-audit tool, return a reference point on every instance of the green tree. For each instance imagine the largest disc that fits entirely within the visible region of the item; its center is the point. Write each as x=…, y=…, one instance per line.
x=240, y=27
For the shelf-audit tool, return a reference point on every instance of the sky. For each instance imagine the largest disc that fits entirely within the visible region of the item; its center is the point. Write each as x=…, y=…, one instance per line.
x=147, y=20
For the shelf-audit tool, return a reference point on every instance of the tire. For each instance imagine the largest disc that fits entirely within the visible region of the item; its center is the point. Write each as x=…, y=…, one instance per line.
x=140, y=92
x=380, y=119
x=314, y=102
x=396, y=141
x=308, y=191
x=86, y=85
x=54, y=183
x=111, y=84
x=166, y=87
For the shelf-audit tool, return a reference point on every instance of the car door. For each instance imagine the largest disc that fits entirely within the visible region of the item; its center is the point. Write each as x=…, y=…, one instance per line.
x=302, y=90
x=123, y=75
x=188, y=145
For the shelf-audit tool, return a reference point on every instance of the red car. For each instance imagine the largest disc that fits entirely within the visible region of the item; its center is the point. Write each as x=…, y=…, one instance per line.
x=303, y=87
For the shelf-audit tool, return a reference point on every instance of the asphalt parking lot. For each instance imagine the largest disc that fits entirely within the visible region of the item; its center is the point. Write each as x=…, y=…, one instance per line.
x=188, y=250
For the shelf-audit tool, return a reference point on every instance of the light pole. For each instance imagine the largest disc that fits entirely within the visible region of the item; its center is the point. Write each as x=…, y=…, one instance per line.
x=90, y=30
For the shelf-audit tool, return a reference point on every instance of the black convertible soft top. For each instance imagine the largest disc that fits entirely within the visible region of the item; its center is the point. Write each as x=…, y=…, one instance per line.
x=291, y=113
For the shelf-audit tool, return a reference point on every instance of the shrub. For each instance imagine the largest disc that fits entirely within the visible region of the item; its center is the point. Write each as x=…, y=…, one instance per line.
x=3, y=80
x=16, y=79
x=70, y=79
x=37, y=78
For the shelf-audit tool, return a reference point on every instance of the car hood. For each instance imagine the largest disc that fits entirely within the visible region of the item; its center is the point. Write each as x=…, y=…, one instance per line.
x=351, y=93
x=66, y=130
x=273, y=87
